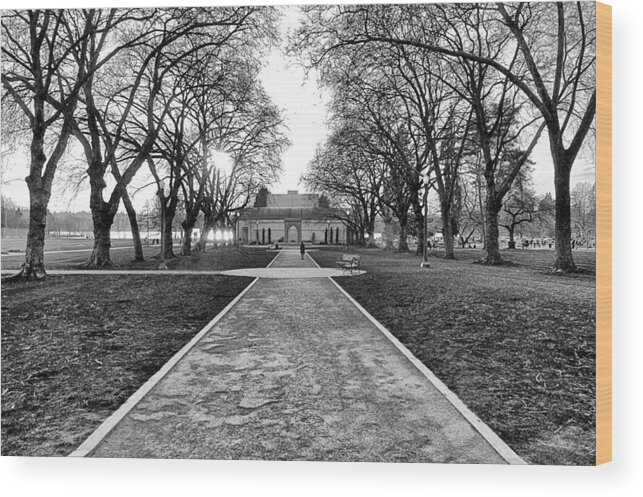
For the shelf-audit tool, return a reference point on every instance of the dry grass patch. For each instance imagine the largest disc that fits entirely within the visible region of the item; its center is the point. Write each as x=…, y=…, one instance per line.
x=74, y=348
x=515, y=344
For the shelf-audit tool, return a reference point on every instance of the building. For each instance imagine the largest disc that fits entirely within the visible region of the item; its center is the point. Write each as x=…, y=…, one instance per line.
x=291, y=218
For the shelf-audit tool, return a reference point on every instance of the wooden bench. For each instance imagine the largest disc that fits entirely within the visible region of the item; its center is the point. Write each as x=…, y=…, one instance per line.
x=349, y=262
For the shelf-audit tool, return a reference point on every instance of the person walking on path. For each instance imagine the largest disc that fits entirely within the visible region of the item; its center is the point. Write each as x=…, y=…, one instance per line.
x=302, y=250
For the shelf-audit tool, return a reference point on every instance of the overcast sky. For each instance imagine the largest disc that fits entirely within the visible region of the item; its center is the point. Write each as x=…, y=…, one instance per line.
x=304, y=107
x=302, y=102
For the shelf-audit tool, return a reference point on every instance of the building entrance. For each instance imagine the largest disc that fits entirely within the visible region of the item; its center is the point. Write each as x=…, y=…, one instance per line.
x=293, y=235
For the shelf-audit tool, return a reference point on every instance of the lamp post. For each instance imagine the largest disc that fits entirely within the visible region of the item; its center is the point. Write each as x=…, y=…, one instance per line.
x=328, y=235
x=348, y=213
x=425, y=255
x=257, y=223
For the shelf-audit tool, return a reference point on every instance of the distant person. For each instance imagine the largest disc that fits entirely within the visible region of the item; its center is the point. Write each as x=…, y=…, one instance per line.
x=302, y=250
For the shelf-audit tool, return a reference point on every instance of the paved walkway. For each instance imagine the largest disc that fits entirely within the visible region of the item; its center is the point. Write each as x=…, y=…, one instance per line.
x=283, y=267
x=294, y=371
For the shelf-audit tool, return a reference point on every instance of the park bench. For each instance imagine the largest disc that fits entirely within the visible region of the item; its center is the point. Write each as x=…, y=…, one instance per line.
x=349, y=262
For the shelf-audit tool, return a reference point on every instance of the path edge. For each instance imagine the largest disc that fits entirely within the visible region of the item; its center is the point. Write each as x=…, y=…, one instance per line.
x=274, y=258
x=487, y=433
x=497, y=443
x=89, y=445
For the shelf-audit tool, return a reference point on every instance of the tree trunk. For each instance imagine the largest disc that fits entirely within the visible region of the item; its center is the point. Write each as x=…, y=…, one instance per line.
x=203, y=240
x=167, y=219
x=186, y=247
x=482, y=210
x=403, y=244
x=208, y=224
x=39, y=194
x=361, y=237
x=563, y=232
x=371, y=237
x=447, y=230
x=492, y=245
x=388, y=234
x=34, y=265
x=512, y=241
x=419, y=222
x=136, y=233
x=102, y=216
x=100, y=257
x=191, y=217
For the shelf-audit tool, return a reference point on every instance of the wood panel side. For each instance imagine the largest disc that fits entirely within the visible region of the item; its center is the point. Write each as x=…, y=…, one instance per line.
x=603, y=233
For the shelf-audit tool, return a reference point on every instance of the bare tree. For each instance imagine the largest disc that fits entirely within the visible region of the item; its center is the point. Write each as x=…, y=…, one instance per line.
x=559, y=83
x=254, y=140
x=519, y=206
x=467, y=209
x=140, y=99
x=583, y=205
x=352, y=180
x=39, y=75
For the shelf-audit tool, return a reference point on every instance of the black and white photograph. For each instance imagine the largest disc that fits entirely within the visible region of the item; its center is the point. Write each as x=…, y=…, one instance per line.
x=339, y=233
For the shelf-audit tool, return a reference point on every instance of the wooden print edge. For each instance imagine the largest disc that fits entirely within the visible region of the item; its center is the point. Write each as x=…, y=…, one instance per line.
x=603, y=233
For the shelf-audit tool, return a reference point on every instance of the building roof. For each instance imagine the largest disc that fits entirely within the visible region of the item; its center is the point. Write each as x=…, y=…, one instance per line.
x=292, y=199
x=279, y=213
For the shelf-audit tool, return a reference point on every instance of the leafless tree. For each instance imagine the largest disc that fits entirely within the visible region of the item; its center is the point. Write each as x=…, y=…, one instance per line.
x=467, y=211
x=141, y=97
x=351, y=178
x=254, y=139
x=520, y=205
x=555, y=59
x=40, y=75
x=583, y=205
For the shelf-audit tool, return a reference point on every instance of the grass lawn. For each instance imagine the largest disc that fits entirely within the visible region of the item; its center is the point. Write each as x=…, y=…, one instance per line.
x=516, y=344
x=538, y=259
x=74, y=348
x=17, y=245
x=214, y=259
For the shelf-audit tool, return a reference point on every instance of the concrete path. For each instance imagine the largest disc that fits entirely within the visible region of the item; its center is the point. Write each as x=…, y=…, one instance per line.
x=286, y=266
x=289, y=264
x=105, y=272
x=294, y=370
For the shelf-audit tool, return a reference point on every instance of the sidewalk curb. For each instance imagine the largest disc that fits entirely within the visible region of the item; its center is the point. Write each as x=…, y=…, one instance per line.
x=274, y=258
x=121, y=272
x=487, y=433
x=89, y=445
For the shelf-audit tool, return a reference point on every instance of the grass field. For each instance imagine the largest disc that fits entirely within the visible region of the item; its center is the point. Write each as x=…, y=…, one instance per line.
x=539, y=259
x=72, y=255
x=13, y=245
x=516, y=344
x=74, y=348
